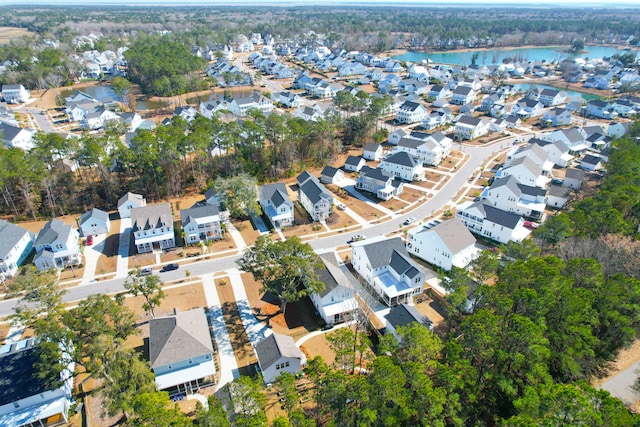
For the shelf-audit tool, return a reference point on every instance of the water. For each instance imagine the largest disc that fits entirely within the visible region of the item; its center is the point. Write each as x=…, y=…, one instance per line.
x=103, y=92
x=524, y=87
x=489, y=56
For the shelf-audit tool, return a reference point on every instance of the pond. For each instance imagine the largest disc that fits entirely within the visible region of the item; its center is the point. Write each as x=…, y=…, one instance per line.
x=496, y=56
x=103, y=92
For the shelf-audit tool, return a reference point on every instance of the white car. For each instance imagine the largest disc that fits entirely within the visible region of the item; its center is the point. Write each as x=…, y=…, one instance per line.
x=341, y=206
x=409, y=220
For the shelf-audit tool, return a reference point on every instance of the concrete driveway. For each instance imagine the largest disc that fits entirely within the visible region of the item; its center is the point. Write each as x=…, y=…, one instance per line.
x=91, y=255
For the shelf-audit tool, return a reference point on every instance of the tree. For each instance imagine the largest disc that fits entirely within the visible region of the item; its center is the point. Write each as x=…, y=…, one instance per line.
x=238, y=194
x=248, y=401
x=577, y=45
x=153, y=409
x=147, y=286
x=123, y=88
x=213, y=416
x=287, y=269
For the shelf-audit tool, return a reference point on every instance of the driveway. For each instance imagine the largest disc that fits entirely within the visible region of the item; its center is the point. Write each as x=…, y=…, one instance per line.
x=91, y=255
x=620, y=385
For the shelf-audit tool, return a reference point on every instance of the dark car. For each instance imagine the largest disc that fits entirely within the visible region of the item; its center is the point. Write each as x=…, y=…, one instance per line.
x=169, y=267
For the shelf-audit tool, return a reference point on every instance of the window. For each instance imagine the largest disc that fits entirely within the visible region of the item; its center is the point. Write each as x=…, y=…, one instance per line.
x=286, y=364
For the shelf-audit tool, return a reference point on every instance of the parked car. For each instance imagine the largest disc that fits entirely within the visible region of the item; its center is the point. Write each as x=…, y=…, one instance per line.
x=356, y=238
x=89, y=240
x=169, y=267
x=145, y=272
x=531, y=225
x=341, y=206
x=409, y=220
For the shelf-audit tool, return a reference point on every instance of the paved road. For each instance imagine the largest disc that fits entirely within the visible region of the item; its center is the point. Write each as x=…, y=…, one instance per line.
x=42, y=120
x=478, y=155
x=620, y=385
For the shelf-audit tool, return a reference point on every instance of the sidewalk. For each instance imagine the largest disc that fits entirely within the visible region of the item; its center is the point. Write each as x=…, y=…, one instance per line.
x=255, y=330
x=236, y=236
x=228, y=364
x=123, y=248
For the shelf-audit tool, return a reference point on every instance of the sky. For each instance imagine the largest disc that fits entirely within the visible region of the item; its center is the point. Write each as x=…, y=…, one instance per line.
x=577, y=3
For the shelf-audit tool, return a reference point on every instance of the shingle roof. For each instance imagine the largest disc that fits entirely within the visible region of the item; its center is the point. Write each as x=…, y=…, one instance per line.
x=401, y=158
x=379, y=253
x=469, y=121
x=275, y=346
x=188, y=215
x=500, y=217
x=371, y=146
x=454, y=235
x=10, y=235
x=573, y=173
x=9, y=132
x=353, y=160
x=182, y=336
x=94, y=213
x=153, y=216
x=54, y=230
x=402, y=265
x=403, y=315
x=591, y=160
x=314, y=190
x=331, y=275
x=329, y=171
x=131, y=197
x=462, y=90
x=277, y=193
x=18, y=379
x=410, y=142
x=410, y=106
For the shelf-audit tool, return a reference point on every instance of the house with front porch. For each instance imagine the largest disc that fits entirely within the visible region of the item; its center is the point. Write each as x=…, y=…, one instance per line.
x=419, y=73
x=288, y=99
x=411, y=112
x=463, y=95
x=404, y=166
x=387, y=269
x=527, y=108
x=469, y=127
x=152, y=227
x=446, y=245
x=14, y=136
x=439, y=92
x=575, y=138
x=599, y=109
x=16, y=244
x=535, y=153
x=482, y=219
x=201, y=224
x=510, y=196
x=552, y=97
x=430, y=151
x=556, y=117
x=15, y=94
x=56, y=246
x=314, y=197
x=379, y=182
x=181, y=351
x=276, y=205
x=337, y=301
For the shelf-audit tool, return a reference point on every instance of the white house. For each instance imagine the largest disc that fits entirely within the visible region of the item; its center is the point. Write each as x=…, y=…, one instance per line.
x=557, y=196
x=591, y=162
x=314, y=197
x=94, y=222
x=56, y=246
x=573, y=178
x=411, y=112
x=331, y=175
x=379, y=182
x=446, y=245
x=551, y=97
x=25, y=398
x=201, y=223
x=181, y=351
x=617, y=129
x=372, y=151
x=527, y=108
x=278, y=353
x=288, y=99
x=508, y=195
x=15, y=246
x=430, y=151
x=557, y=151
x=439, y=92
x=354, y=163
x=468, y=127
x=387, y=269
x=419, y=73
x=15, y=94
x=463, y=95
x=152, y=227
x=485, y=220
x=599, y=109
x=525, y=171
x=14, y=136
x=128, y=202
x=404, y=166
x=575, y=138
x=534, y=153
x=556, y=117
x=276, y=205
x=337, y=300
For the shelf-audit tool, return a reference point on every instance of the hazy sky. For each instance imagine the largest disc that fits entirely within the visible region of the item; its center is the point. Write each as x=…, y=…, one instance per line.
x=321, y=2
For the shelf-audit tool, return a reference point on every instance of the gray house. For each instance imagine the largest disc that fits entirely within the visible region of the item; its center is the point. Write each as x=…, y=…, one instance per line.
x=94, y=222
x=15, y=246
x=276, y=205
x=314, y=197
x=278, y=353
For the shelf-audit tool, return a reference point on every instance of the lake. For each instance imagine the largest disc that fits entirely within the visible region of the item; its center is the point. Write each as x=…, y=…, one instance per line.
x=491, y=56
x=103, y=92
x=570, y=93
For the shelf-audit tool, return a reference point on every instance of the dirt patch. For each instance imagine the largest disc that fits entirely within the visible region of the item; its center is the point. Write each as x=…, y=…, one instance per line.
x=340, y=220
x=108, y=260
x=4, y=331
x=319, y=346
x=140, y=260
x=10, y=33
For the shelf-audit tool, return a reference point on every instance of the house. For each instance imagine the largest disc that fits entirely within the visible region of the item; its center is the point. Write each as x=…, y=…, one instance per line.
x=591, y=163
x=331, y=175
x=463, y=95
x=309, y=114
x=527, y=108
x=26, y=399
x=14, y=136
x=98, y=118
x=152, y=227
x=573, y=178
x=188, y=113
x=404, y=166
x=489, y=101
x=354, y=163
x=131, y=120
x=556, y=117
x=526, y=171
x=436, y=118
x=276, y=205
x=388, y=270
x=15, y=94
x=557, y=151
x=557, y=196
x=15, y=246
x=210, y=108
x=468, y=127
x=551, y=97
x=598, y=109
x=378, y=182
x=419, y=73
x=241, y=105
x=372, y=151
x=439, y=92
x=56, y=246
x=94, y=222
x=485, y=220
x=288, y=99
x=510, y=196
x=575, y=138
x=201, y=224
x=396, y=135
x=128, y=202
x=411, y=112
x=535, y=153
x=446, y=245
x=276, y=354
x=181, y=351
x=624, y=108
x=404, y=315
x=617, y=129
x=314, y=197
x=430, y=151
x=337, y=301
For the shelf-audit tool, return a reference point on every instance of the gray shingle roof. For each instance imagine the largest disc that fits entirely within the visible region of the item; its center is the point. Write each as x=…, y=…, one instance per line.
x=153, y=216
x=54, y=230
x=353, y=160
x=403, y=315
x=371, y=146
x=532, y=191
x=329, y=171
x=9, y=132
x=188, y=215
x=500, y=217
x=331, y=275
x=275, y=346
x=277, y=193
x=454, y=235
x=182, y=336
x=402, y=265
x=131, y=197
x=469, y=120
x=402, y=158
x=379, y=253
x=10, y=235
x=94, y=213
x=314, y=190
x=18, y=379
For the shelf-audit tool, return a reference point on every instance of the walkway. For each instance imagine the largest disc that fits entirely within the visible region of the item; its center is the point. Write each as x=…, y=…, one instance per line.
x=255, y=330
x=228, y=363
x=123, y=248
x=91, y=255
x=363, y=222
x=236, y=236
